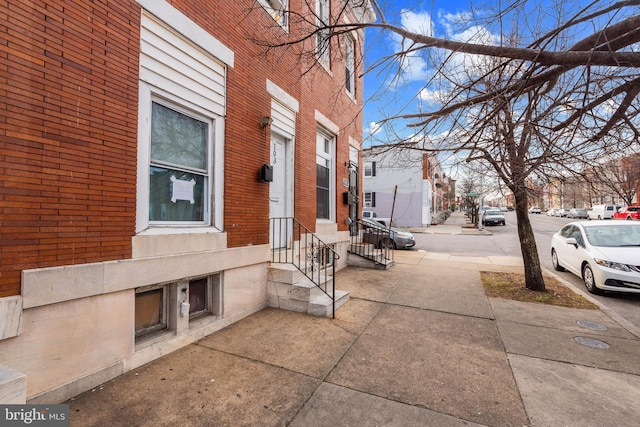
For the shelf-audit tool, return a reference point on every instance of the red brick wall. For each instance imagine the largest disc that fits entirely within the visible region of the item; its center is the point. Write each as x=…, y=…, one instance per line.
x=68, y=132
x=246, y=144
x=68, y=135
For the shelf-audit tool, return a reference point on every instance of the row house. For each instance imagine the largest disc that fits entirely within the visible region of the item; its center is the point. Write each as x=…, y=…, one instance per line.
x=613, y=182
x=144, y=147
x=405, y=184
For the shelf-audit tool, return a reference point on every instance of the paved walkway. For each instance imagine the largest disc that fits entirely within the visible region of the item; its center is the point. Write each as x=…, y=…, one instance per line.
x=417, y=345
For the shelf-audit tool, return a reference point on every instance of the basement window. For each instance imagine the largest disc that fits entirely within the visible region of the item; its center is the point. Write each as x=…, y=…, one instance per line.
x=205, y=297
x=150, y=310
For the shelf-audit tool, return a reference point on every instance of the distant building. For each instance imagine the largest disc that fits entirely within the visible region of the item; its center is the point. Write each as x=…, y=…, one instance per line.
x=408, y=185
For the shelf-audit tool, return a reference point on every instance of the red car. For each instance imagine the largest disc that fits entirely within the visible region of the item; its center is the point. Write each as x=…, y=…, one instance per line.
x=629, y=212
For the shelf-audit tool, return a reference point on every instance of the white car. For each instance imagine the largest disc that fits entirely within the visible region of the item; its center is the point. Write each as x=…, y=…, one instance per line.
x=605, y=254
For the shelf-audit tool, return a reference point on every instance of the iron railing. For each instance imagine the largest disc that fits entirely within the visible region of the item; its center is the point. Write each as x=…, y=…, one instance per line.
x=372, y=242
x=293, y=243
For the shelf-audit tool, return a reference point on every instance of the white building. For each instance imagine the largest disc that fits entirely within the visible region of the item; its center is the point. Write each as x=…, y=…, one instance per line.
x=403, y=184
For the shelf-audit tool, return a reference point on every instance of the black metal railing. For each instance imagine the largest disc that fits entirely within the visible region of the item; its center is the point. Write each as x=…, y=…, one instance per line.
x=372, y=242
x=293, y=243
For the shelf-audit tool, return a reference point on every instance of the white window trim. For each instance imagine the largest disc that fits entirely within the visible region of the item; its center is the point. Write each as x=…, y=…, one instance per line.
x=270, y=7
x=324, y=57
x=214, y=222
x=350, y=61
x=331, y=156
x=368, y=167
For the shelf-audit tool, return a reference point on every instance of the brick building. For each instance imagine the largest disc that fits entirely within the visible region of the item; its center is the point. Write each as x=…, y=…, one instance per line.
x=144, y=145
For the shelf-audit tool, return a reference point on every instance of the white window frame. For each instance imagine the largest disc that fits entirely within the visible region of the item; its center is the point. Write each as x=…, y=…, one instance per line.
x=207, y=193
x=214, y=214
x=323, y=41
x=329, y=157
x=350, y=64
x=369, y=199
x=278, y=10
x=368, y=169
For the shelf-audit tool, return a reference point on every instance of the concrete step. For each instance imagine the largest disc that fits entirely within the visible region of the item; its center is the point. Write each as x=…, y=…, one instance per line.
x=323, y=307
x=379, y=263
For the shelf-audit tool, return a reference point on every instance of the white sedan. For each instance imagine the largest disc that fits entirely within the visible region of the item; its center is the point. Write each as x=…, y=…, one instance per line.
x=605, y=254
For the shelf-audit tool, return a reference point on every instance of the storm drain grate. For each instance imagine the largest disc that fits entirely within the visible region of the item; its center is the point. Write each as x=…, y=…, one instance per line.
x=592, y=342
x=591, y=325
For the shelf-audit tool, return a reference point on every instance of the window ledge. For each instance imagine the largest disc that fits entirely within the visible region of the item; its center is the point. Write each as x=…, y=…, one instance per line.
x=155, y=231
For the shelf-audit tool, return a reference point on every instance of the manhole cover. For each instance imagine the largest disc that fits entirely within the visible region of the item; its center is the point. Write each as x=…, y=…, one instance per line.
x=591, y=342
x=591, y=325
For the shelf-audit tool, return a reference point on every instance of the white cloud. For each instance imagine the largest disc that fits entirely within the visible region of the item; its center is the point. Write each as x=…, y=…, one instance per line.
x=434, y=96
x=413, y=66
x=373, y=128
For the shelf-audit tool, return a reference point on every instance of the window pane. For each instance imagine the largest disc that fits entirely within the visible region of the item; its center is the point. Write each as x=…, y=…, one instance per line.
x=349, y=64
x=198, y=296
x=178, y=139
x=322, y=192
x=175, y=195
x=148, y=310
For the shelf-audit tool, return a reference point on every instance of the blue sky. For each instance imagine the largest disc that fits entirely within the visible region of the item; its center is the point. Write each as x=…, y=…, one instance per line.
x=407, y=93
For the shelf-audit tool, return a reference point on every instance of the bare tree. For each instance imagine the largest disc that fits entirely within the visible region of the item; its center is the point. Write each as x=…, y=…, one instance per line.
x=619, y=177
x=552, y=92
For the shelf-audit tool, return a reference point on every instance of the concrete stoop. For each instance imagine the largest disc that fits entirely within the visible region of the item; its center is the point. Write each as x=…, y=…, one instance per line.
x=289, y=289
x=377, y=259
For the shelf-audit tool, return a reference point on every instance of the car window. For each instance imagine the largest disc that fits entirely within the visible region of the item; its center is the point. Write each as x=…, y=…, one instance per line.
x=577, y=234
x=614, y=236
x=566, y=231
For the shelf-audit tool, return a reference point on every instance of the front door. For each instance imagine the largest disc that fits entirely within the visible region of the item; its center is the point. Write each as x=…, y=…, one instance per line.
x=279, y=194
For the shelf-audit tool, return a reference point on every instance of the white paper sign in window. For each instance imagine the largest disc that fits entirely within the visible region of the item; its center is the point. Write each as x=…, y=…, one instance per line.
x=182, y=190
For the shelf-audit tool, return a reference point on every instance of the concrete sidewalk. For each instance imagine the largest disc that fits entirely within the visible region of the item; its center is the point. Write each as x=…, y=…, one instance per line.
x=419, y=344
x=457, y=223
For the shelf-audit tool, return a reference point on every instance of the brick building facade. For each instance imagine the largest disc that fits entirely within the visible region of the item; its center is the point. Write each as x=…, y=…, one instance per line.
x=132, y=140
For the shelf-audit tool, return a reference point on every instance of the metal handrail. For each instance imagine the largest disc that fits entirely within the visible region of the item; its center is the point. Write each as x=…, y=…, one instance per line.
x=319, y=258
x=372, y=242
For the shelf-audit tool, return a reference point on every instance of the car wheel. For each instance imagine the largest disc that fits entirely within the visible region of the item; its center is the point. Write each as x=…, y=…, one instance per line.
x=628, y=218
x=589, y=280
x=503, y=223
x=387, y=244
x=554, y=261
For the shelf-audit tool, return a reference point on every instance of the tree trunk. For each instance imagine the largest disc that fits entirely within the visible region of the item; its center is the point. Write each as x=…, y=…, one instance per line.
x=532, y=269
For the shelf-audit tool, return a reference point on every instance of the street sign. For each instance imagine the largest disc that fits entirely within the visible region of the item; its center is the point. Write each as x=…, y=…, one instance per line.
x=472, y=194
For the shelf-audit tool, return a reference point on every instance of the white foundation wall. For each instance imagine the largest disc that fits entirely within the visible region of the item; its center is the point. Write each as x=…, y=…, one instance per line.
x=63, y=342
x=78, y=322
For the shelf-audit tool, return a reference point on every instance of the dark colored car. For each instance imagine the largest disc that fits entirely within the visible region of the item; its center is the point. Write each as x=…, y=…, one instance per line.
x=376, y=234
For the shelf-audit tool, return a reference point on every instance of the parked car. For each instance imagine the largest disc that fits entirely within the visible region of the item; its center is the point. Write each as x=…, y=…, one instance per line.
x=577, y=213
x=561, y=212
x=551, y=212
x=535, y=210
x=493, y=217
x=376, y=234
x=603, y=253
x=628, y=212
x=601, y=212
x=372, y=216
